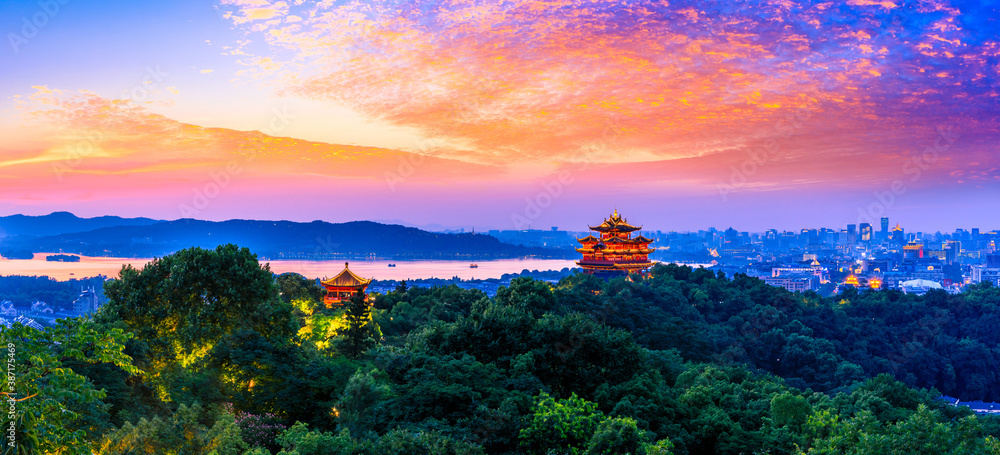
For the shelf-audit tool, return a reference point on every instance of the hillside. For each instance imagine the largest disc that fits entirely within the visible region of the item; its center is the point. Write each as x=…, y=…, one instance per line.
x=682, y=362
x=276, y=240
x=57, y=223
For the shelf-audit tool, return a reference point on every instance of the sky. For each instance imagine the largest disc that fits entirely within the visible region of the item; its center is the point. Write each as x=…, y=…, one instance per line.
x=484, y=114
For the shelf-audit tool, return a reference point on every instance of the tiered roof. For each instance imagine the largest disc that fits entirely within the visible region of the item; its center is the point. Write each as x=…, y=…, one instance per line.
x=346, y=279
x=615, y=241
x=615, y=223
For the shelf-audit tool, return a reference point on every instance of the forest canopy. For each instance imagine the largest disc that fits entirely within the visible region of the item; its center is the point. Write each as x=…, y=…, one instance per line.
x=207, y=351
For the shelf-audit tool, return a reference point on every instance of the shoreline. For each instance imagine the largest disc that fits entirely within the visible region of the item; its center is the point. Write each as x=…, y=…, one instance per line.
x=92, y=266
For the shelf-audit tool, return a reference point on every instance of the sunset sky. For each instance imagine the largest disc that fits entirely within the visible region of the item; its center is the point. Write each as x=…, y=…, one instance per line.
x=498, y=114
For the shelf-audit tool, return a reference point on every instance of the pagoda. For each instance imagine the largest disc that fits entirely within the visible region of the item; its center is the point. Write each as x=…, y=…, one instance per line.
x=616, y=251
x=342, y=287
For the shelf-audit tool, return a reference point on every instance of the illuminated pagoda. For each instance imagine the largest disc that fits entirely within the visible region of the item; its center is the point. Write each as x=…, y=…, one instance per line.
x=616, y=252
x=342, y=287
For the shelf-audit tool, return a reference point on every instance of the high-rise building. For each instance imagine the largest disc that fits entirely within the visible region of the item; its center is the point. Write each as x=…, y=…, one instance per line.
x=885, y=225
x=866, y=232
x=952, y=250
x=899, y=235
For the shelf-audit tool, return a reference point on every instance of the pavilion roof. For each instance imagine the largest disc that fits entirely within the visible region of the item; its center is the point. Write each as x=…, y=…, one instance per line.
x=346, y=278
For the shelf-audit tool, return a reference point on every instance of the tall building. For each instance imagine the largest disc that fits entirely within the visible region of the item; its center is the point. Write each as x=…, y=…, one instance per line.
x=898, y=235
x=616, y=252
x=865, y=232
x=952, y=249
x=885, y=226
x=731, y=236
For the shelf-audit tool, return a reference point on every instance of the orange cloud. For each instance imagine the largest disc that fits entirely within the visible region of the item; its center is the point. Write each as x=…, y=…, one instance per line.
x=604, y=81
x=97, y=146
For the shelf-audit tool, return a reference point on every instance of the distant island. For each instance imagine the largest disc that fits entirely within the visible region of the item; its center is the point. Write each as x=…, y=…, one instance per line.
x=62, y=258
x=16, y=254
x=272, y=240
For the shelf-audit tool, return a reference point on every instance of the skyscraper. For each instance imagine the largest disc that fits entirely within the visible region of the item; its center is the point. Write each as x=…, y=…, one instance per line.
x=952, y=249
x=852, y=233
x=866, y=232
x=885, y=225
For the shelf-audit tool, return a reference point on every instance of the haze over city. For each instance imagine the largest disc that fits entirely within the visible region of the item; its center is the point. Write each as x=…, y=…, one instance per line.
x=685, y=114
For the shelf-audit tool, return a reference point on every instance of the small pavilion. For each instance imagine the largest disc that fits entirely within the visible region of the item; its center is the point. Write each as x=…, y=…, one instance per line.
x=342, y=287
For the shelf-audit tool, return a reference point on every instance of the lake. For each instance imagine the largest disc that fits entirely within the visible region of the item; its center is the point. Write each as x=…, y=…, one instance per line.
x=379, y=269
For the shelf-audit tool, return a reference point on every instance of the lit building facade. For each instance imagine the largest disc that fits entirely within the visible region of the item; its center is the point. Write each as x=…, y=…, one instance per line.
x=342, y=287
x=615, y=252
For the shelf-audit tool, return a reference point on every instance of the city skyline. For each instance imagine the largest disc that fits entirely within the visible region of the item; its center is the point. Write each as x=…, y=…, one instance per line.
x=505, y=114
x=876, y=228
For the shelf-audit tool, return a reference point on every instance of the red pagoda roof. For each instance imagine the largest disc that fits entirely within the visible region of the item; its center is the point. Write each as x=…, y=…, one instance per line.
x=346, y=278
x=615, y=223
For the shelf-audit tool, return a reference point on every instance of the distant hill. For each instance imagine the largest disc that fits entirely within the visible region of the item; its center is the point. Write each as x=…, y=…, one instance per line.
x=62, y=223
x=279, y=240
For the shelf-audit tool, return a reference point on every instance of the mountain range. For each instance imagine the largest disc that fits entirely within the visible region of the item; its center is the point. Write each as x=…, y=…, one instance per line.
x=61, y=223
x=143, y=237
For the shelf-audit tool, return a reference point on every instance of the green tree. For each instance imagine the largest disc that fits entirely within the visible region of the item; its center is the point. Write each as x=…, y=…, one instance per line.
x=661, y=447
x=181, y=305
x=293, y=286
x=447, y=388
x=528, y=294
x=359, y=406
x=403, y=442
x=183, y=433
x=560, y=425
x=618, y=435
x=925, y=432
x=360, y=332
x=255, y=373
x=789, y=410
x=299, y=440
x=57, y=409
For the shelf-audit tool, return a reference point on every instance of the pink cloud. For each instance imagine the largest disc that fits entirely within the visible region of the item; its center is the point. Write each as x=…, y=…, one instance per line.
x=553, y=81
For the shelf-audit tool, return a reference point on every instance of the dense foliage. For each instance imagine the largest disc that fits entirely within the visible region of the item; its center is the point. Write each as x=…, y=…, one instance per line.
x=225, y=358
